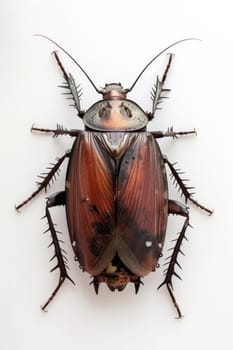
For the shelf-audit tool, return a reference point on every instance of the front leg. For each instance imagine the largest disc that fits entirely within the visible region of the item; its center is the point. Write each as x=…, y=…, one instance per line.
x=74, y=92
x=158, y=90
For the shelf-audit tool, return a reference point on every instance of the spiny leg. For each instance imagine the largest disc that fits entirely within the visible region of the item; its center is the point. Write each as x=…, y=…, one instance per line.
x=46, y=178
x=184, y=189
x=176, y=208
x=55, y=200
x=171, y=133
x=156, y=94
x=75, y=92
x=59, y=131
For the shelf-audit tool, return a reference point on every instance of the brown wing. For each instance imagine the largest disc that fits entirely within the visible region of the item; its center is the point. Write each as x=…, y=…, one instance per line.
x=142, y=204
x=90, y=203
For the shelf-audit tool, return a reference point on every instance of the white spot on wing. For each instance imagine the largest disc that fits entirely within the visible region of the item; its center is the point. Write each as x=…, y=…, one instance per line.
x=148, y=244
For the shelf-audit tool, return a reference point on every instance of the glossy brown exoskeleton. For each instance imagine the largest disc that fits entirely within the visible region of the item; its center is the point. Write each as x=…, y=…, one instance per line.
x=116, y=193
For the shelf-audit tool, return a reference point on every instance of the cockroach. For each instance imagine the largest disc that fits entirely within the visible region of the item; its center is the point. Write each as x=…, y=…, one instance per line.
x=116, y=191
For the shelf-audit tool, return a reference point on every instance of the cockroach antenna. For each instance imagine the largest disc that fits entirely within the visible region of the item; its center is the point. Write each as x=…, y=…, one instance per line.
x=153, y=59
x=72, y=58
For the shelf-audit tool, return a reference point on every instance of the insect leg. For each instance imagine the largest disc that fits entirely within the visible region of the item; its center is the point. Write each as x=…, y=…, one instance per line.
x=59, y=131
x=171, y=133
x=74, y=92
x=55, y=200
x=46, y=178
x=157, y=90
x=185, y=190
x=176, y=208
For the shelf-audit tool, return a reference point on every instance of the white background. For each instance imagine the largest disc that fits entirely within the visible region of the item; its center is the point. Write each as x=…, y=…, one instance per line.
x=113, y=41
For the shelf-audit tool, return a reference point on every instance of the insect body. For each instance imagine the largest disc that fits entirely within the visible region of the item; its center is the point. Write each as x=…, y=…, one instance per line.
x=116, y=194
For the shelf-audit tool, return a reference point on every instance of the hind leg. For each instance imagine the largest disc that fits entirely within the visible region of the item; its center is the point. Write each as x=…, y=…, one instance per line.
x=175, y=208
x=52, y=201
